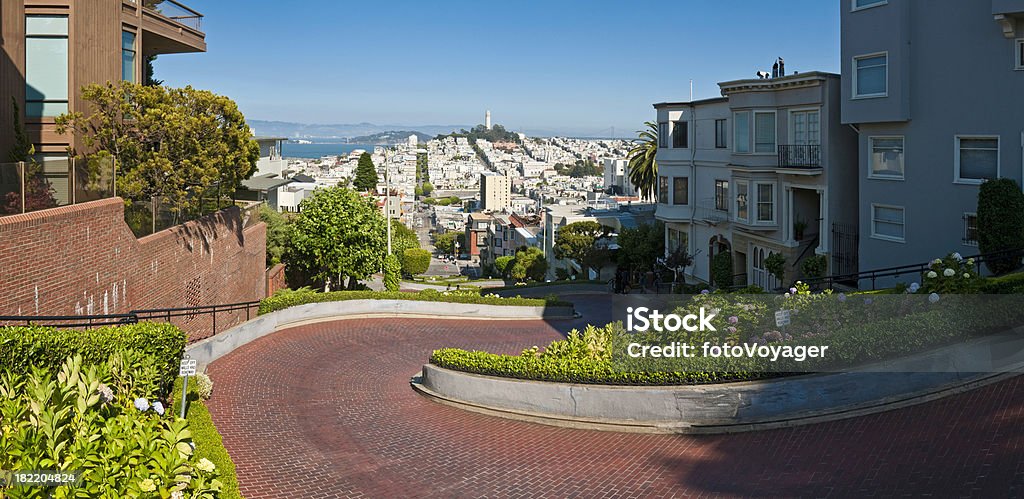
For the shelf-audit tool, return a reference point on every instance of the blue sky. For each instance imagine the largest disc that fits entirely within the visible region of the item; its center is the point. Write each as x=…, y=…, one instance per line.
x=568, y=66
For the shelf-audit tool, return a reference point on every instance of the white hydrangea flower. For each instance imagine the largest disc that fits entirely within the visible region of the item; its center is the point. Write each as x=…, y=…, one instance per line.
x=949, y=272
x=914, y=287
x=937, y=261
x=205, y=465
x=957, y=257
x=931, y=274
x=934, y=297
x=966, y=275
x=970, y=261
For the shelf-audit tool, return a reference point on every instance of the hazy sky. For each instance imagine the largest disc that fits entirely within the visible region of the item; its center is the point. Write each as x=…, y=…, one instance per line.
x=580, y=66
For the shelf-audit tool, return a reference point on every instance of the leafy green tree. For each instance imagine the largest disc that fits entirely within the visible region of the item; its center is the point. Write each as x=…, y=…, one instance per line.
x=366, y=173
x=279, y=234
x=428, y=188
x=583, y=242
x=39, y=193
x=502, y=264
x=339, y=234
x=392, y=273
x=445, y=243
x=418, y=191
x=175, y=143
x=415, y=261
x=1001, y=223
x=643, y=169
x=402, y=238
x=529, y=264
x=640, y=247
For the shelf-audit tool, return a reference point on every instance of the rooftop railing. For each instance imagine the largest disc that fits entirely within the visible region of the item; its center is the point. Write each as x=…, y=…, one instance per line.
x=176, y=11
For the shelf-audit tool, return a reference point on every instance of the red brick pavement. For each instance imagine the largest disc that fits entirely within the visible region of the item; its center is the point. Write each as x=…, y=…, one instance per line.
x=326, y=410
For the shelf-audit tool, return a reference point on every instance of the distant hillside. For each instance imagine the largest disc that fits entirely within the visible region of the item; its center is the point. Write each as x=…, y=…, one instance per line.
x=388, y=138
x=341, y=131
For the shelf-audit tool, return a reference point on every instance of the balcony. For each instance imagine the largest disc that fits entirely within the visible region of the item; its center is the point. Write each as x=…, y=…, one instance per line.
x=800, y=156
x=168, y=26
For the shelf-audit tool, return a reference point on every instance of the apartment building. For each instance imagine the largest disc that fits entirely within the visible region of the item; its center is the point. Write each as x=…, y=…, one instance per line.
x=49, y=50
x=495, y=191
x=766, y=169
x=935, y=91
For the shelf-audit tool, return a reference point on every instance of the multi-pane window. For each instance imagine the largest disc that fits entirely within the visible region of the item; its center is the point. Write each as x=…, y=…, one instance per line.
x=886, y=160
x=765, y=203
x=663, y=134
x=128, y=57
x=764, y=132
x=663, y=190
x=870, y=75
x=888, y=222
x=722, y=195
x=680, y=190
x=680, y=134
x=720, y=132
x=971, y=229
x=977, y=159
x=46, y=65
x=741, y=131
x=1020, y=54
x=742, y=201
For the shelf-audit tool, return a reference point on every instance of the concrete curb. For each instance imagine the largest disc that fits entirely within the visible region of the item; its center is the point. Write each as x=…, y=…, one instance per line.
x=739, y=406
x=215, y=347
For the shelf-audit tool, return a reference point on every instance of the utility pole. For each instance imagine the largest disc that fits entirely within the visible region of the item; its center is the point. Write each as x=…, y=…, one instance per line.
x=387, y=198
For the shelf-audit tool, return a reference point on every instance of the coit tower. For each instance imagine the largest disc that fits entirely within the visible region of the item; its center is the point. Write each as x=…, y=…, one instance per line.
x=487, y=119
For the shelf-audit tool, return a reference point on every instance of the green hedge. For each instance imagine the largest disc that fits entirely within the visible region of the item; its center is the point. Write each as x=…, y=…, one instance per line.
x=415, y=261
x=544, y=284
x=291, y=299
x=22, y=348
x=1007, y=284
x=209, y=443
x=854, y=344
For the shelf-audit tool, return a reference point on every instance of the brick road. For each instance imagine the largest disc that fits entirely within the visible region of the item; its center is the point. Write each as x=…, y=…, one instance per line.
x=325, y=410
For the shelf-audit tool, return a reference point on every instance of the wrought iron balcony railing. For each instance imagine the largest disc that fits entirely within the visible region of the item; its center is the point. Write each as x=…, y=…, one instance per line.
x=800, y=156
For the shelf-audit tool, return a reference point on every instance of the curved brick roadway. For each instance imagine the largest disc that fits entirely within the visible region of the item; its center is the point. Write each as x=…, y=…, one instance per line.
x=326, y=410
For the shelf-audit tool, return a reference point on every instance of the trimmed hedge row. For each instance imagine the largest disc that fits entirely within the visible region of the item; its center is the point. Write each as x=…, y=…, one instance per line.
x=22, y=348
x=291, y=299
x=1007, y=284
x=852, y=345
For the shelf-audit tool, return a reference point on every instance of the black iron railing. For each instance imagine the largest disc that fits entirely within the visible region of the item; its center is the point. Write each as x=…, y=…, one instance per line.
x=916, y=269
x=154, y=314
x=800, y=156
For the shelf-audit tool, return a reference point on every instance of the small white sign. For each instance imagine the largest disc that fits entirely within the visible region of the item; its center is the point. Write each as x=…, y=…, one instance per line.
x=188, y=367
x=782, y=318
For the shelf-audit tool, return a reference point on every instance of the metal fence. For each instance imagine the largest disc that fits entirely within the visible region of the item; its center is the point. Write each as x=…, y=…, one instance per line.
x=29, y=186
x=176, y=11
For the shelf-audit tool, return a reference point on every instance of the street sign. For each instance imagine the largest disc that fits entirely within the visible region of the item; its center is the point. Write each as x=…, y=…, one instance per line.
x=187, y=368
x=782, y=318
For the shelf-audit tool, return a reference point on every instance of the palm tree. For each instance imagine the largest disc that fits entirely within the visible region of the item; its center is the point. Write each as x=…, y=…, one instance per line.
x=643, y=169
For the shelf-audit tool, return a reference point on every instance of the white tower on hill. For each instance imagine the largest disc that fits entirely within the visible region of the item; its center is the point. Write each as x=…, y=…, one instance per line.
x=487, y=119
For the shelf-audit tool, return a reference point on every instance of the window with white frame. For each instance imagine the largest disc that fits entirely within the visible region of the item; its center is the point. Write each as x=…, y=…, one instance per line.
x=1020, y=54
x=764, y=132
x=741, y=131
x=977, y=159
x=971, y=229
x=888, y=222
x=864, y=4
x=765, y=203
x=886, y=157
x=871, y=75
x=742, y=201
x=680, y=190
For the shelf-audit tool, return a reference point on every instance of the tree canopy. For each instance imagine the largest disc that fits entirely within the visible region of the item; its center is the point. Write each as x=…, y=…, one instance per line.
x=366, y=173
x=581, y=168
x=339, y=234
x=402, y=238
x=578, y=241
x=528, y=264
x=640, y=247
x=176, y=143
x=1001, y=223
x=643, y=169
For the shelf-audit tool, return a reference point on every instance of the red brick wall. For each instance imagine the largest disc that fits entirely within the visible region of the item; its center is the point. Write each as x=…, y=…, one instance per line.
x=83, y=259
x=276, y=279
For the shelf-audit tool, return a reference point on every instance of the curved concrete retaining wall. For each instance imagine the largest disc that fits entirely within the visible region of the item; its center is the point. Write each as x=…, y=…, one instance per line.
x=212, y=348
x=728, y=407
x=558, y=290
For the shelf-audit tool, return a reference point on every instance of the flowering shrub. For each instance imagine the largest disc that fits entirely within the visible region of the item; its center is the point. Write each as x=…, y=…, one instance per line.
x=89, y=419
x=204, y=386
x=950, y=275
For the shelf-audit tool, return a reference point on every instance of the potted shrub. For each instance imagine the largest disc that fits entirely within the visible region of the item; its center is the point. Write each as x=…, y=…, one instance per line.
x=799, y=227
